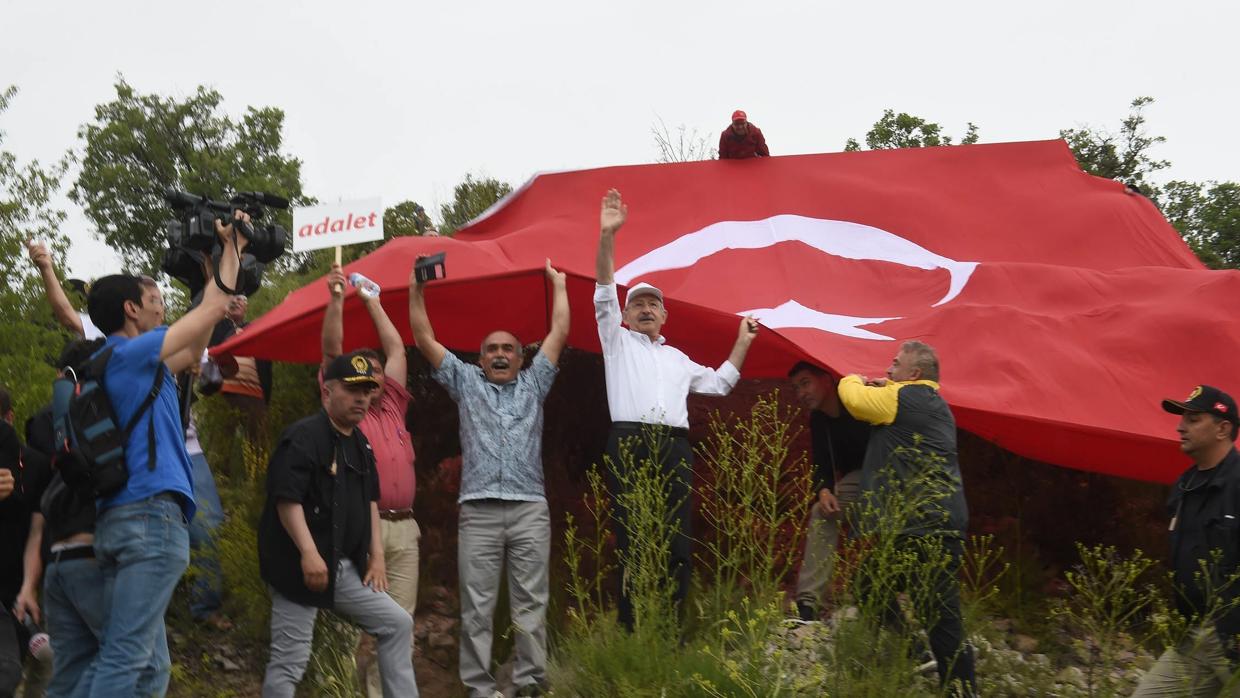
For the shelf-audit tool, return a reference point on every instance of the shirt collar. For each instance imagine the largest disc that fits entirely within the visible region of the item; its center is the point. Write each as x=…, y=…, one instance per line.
x=639, y=335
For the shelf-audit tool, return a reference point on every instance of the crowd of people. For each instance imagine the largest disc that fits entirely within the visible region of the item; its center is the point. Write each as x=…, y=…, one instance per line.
x=338, y=529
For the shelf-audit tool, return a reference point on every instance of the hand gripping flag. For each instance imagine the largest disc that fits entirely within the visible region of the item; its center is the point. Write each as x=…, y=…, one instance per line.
x=1062, y=305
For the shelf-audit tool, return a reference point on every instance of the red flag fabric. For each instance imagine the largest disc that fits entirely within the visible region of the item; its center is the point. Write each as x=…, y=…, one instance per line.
x=1063, y=306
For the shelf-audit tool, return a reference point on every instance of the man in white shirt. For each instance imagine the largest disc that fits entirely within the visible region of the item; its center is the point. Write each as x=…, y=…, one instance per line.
x=648, y=384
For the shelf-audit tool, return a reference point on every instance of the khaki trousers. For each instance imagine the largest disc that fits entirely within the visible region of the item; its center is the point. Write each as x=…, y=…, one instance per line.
x=822, y=536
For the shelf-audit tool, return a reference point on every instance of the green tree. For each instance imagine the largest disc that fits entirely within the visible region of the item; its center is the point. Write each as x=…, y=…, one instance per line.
x=1122, y=155
x=404, y=219
x=32, y=339
x=140, y=145
x=469, y=199
x=1207, y=214
x=903, y=130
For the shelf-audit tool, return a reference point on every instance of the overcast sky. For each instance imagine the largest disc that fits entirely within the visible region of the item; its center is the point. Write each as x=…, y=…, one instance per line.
x=401, y=100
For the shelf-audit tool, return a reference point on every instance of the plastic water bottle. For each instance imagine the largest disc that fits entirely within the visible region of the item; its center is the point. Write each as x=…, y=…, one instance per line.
x=364, y=286
x=40, y=645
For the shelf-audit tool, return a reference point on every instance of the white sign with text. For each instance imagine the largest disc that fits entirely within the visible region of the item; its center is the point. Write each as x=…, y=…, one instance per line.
x=343, y=223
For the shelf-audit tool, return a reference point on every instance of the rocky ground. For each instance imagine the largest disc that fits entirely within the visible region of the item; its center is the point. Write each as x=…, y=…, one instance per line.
x=1009, y=662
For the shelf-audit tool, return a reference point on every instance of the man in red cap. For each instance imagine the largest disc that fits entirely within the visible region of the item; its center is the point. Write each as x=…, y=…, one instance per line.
x=742, y=140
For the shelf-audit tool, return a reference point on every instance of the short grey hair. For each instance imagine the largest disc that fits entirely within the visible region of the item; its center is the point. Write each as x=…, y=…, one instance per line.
x=924, y=358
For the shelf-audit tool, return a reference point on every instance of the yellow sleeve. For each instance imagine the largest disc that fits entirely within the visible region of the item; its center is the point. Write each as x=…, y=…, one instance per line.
x=868, y=403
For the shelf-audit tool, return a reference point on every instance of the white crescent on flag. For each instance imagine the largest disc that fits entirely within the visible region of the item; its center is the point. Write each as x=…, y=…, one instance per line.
x=839, y=238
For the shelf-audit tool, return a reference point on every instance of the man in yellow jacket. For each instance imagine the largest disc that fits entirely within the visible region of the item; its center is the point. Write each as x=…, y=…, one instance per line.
x=912, y=449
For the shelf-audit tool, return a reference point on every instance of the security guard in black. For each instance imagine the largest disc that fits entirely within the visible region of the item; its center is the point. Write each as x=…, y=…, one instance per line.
x=333, y=477
x=1204, y=508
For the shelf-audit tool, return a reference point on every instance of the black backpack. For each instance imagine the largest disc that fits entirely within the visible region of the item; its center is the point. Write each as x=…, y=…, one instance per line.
x=92, y=444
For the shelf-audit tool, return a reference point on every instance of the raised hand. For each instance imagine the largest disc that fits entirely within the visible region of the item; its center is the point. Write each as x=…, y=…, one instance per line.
x=38, y=253
x=228, y=233
x=557, y=278
x=613, y=213
x=748, y=329
x=335, y=281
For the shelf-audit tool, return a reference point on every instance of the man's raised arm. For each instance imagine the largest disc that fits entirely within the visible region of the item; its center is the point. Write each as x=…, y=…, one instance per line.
x=554, y=342
x=333, y=317
x=744, y=337
x=389, y=339
x=420, y=323
x=62, y=309
x=194, y=328
x=611, y=217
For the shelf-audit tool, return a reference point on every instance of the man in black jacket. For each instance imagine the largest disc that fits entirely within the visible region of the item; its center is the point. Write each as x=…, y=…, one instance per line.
x=318, y=541
x=838, y=443
x=24, y=473
x=1204, y=507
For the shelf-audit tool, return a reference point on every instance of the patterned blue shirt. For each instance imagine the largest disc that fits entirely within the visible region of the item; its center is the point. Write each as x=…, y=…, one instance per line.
x=501, y=429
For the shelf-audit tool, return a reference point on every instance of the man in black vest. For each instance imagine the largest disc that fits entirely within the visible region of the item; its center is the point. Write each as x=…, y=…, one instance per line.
x=1204, y=507
x=912, y=450
x=318, y=540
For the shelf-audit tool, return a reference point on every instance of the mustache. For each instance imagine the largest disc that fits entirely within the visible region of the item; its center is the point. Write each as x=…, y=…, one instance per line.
x=500, y=363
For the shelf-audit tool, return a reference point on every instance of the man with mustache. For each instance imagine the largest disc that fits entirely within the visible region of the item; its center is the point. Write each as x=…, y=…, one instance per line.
x=503, y=506
x=318, y=539
x=648, y=385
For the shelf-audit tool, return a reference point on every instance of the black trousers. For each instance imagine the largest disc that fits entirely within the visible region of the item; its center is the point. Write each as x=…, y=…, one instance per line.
x=675, y=457
x=941, y=612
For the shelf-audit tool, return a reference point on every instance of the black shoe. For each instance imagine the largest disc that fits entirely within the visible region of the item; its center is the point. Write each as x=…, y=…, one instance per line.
x=806, y=612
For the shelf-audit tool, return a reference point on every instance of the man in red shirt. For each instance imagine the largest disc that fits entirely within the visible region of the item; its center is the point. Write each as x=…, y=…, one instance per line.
x=384, y=428
x=742, y=140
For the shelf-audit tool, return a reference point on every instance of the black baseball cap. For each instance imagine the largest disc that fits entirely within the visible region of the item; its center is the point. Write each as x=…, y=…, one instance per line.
x=1207, y=399
x=351, y=369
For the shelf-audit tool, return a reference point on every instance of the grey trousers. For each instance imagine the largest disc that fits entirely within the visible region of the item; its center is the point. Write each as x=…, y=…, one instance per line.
x=400, y=553
x=292, y=630
x=1196, y=668
x=490, y=532
x=822, y=536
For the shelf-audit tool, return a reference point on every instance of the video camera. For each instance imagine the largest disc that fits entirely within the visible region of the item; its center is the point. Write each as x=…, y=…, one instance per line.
x=191, y=236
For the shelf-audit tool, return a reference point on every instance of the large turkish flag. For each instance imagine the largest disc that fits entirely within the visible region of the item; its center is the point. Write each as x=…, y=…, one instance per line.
x=1063, y=306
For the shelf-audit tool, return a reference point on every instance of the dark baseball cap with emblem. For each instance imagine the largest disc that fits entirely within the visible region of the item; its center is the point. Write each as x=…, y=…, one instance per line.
x=1207, y=399
x=351, y=369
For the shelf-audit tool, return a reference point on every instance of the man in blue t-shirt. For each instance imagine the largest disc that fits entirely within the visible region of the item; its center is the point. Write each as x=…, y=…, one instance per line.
x=142, y=531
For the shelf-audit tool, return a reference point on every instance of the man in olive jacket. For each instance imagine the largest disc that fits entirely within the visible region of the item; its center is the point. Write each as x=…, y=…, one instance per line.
x=318, y=541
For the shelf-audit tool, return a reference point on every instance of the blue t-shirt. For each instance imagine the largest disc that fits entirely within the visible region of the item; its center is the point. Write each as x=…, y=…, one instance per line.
x=130, y=372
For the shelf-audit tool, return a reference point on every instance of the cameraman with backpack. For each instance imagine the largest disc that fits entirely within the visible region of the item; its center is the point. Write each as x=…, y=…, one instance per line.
x=206, y=592
x=142, y=530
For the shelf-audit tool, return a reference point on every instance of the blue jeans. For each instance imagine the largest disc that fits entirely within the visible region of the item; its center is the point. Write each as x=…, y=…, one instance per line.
x=73, y=604
x=142, y=549
x=205, y=590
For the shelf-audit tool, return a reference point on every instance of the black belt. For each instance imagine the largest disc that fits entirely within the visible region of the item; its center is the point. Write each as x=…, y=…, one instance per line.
x=396, y=514
x=82, y=553
x=679, y=432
